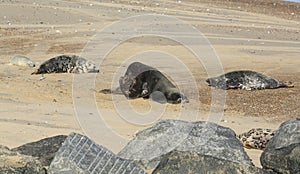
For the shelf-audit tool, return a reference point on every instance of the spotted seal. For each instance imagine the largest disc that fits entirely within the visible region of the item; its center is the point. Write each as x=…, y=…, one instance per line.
x=66, y=63
x=256, y=138
x=247, y=80
x=20, y=60
x=143, y=81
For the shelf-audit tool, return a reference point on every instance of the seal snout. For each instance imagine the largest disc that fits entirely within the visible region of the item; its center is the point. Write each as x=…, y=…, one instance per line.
x=35, y=72
x=208, y=81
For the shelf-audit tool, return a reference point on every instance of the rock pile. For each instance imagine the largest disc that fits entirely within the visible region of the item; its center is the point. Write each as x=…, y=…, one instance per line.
x=14, y=163
x=44, y=150
x=170, y=146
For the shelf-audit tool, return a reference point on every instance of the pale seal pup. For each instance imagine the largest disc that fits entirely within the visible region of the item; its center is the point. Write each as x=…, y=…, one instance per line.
x=66, y=64
x=20, y=60
x=143, y=81
x=247, y=80
x=256, y=138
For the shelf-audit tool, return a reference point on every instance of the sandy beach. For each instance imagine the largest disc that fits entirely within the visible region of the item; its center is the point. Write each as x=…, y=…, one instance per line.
x=261, y=35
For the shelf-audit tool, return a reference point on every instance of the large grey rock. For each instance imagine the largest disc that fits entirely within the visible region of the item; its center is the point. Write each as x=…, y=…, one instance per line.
x=177, y=162
x=15, y=163
x=44, y=149
x=282, y=153
x=80, y=155
x=203, y=138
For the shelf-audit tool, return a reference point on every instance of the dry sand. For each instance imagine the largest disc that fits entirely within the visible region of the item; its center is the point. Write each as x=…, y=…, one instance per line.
x=257, y=35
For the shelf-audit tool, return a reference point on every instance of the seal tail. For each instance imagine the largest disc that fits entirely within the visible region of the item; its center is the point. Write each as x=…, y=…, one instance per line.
x=287, y=84
x=111, y=91
x=106, y=91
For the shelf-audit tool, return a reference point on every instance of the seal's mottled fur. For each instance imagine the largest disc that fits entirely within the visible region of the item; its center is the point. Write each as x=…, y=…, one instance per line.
x=256, y=138
x=248, y=80
x=66, y=63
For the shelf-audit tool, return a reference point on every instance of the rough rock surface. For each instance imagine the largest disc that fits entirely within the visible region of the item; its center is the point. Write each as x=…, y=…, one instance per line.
x=282, y=153
x=15, y=163
x=79, y=154
x=44, y=149
x=191, y=163
x=204, y=138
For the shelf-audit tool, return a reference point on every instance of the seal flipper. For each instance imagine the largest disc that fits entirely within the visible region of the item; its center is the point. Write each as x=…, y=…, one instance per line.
x=231, y=87
x=159, y=97
x=145, y=92
x=287, y=84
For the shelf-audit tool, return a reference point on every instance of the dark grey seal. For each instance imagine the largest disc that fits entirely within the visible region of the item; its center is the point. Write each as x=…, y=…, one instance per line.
x=247, y=80
x=143, y=81
x=66, y=64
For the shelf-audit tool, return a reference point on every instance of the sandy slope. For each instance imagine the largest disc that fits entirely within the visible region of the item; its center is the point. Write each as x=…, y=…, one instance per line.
x=243, y=38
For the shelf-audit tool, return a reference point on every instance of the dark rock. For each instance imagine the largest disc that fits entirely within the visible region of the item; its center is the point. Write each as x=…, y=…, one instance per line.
x=79, y=154
x=191, y=163
x=44, y=149
x=282, y=153
x=15, y=163
x=204, y=138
